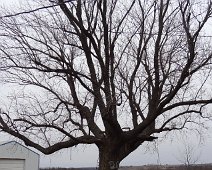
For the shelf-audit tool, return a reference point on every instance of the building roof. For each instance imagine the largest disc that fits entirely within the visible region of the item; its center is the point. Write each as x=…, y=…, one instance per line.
x=9, y=142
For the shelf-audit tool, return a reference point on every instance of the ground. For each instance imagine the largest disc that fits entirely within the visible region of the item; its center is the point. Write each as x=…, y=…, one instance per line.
x=148, y=167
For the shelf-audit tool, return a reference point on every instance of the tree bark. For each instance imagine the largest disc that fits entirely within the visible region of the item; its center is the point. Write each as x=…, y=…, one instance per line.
x=108, y=159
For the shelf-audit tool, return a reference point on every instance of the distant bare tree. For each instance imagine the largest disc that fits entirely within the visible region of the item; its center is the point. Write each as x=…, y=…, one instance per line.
x=112, y=73
x=189, y=155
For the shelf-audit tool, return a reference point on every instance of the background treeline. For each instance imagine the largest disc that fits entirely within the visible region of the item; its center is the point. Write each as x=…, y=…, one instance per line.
x=151, y=167
x=67, y=168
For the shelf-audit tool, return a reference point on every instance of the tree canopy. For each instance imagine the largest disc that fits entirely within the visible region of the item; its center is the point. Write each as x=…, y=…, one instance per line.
x=112, y=73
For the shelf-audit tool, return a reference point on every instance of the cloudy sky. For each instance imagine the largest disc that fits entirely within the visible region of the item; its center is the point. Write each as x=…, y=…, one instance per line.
x=165, y=151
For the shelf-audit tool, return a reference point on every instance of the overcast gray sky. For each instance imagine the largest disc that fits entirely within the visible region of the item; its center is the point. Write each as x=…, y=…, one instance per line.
x=167, y=151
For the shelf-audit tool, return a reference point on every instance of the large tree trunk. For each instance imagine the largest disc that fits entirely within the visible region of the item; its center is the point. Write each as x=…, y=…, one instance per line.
x=108, y=159
x=112, y=152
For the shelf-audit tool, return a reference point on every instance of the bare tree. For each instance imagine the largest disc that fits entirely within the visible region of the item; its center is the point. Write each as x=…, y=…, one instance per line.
x=189, y=155
x=112, y=73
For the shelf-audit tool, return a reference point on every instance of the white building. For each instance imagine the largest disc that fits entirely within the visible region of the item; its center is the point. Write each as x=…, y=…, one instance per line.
x=14, y=156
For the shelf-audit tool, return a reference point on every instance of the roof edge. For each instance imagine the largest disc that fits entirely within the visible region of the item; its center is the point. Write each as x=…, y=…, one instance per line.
x=13, y=141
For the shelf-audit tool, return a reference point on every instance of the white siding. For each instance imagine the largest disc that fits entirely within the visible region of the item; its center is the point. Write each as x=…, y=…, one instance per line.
x=11, y=164
x=14, y=151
